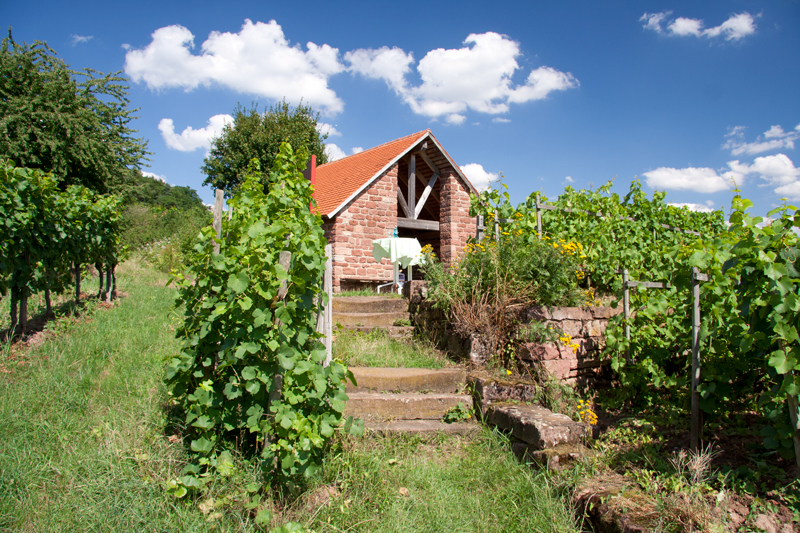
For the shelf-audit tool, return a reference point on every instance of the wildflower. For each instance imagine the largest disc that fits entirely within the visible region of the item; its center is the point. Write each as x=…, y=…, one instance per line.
x=508, y=372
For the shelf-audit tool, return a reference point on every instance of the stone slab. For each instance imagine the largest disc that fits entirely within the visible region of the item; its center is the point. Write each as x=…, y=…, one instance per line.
x=370, y=406
x=368, y=319
x=368, y=304
x=407, y=380
x=487, y=390
x=536, y=425
x=423, y=427
x=552, y=458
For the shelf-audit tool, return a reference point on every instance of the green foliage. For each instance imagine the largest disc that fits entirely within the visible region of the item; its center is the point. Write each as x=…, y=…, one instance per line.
x=251, y=370
x=79, y=131
x=258, y=135
x=48, y=233
x=134, y=188
x=457, y=413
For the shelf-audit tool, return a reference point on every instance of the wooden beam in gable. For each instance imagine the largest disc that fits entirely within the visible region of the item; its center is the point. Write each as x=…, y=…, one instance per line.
x=412, y=185
x=403, y=203
x=425, y=194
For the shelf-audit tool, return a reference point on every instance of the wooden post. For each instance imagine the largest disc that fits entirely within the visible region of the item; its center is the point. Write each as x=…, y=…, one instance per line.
x=479, y=228
x=626, y=309
x=218, y=198
x=109, y=266
x=328, y=286
x=412, y=186
x=538, y=217
x=496, y=227
x=695, y=429
x=794, y=417
x=78, y=283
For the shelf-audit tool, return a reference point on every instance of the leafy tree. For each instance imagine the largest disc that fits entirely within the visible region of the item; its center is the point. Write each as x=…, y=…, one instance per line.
x=259, y=135
x=49, y=120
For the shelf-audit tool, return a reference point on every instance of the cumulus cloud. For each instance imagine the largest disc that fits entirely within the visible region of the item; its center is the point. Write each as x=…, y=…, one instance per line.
x=480, y=178
x=357, y=150
x=328, y=129
x=80, y=39
x=475, y=77
x=258, y=60
x=334, y=152
x=705, y=180
x=191, y=139
x=695, y=207
x=776, y=171
x=773, y=139
x=737, y=27
x=569, y=179
x=159, y=177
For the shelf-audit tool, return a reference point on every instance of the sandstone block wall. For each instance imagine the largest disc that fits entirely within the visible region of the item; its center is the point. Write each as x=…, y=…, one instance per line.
x=372, y=215
x=585, y=326
x=455, y=224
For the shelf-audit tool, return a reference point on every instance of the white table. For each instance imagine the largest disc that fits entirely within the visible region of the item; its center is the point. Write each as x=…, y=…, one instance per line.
x=403, y=252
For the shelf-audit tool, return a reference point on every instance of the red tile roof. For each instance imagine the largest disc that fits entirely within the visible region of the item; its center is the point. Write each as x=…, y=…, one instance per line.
x=338, y=180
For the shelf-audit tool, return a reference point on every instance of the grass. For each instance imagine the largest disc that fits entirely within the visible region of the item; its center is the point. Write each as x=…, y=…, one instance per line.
x=377, y=349
x=402, y=483
x=87, y=446
x=368, y=292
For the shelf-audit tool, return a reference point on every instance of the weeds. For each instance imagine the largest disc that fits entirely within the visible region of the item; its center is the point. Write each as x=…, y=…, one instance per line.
x=377, y=349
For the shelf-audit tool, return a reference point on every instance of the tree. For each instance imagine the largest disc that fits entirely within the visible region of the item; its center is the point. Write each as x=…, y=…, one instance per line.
x=49, y=120
x=259, y=135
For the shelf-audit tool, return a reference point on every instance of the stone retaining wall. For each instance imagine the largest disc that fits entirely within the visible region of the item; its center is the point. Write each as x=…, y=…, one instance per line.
x=586, y=326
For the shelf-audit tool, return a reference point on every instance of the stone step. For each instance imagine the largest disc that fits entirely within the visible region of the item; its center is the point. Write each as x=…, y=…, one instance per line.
x=422, y=427
x=395, y=332
x=368, y=319
x=375, y=407
x=535, y=425
x=369, y=304
x=407, y=380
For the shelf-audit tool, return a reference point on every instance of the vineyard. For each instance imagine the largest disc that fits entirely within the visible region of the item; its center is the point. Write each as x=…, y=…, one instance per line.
x=749, y=305
x=49, y=236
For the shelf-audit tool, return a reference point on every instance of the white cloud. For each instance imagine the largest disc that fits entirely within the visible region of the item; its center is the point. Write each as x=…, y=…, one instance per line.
x=480, y=178
x=334, y=152
x=475, y=77
x=159, y=177
x=777, y=171
x=258, y=60
x=774, y=169
x=705, y=180
x=80, y=39
x=357, y=150
x=569, y=179
x=388, y=64
x=773, y=139
x=324, y=128
x=455, y=118
x=695, y=207
x=653, y=20
x=501, y=120
x=737, y=26
x=191, y=139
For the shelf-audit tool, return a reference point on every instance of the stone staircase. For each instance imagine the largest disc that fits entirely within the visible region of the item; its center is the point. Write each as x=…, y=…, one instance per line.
x=408, y=400
x=366, y=313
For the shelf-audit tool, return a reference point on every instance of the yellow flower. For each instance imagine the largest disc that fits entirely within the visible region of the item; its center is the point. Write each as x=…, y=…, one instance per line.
x=508, y=372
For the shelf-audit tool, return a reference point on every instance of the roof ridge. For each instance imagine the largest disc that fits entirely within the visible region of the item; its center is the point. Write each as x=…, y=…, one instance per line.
x=379, y=146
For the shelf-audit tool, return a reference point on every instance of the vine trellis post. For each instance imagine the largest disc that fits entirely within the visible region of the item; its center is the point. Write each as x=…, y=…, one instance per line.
x=325, y=313
x=697, y=278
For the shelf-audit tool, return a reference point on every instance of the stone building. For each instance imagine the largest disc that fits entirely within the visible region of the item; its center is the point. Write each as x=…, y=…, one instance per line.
x=411, y=184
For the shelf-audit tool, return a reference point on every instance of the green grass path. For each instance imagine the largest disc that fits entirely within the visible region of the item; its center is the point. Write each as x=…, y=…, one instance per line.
x=83, y=448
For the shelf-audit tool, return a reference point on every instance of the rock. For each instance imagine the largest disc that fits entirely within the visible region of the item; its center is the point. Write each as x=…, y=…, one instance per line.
x=532, y=351
x=605, y=312
x=536, y=425
x=571, y=313
x=478, y=349
x=538, y=313
x=487, y=390
x=553, y=458
x=765, y=523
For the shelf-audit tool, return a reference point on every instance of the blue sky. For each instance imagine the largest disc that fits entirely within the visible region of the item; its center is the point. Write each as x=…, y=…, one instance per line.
x=684, y=95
